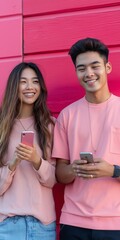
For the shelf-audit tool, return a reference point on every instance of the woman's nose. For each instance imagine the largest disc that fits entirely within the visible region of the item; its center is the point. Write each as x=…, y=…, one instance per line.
x=29, y=85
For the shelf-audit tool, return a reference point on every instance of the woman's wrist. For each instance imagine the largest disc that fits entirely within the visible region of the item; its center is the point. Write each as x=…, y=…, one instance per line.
x=13, y=164
x=37, y=164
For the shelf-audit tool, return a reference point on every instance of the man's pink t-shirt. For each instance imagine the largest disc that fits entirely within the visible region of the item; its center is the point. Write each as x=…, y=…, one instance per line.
x=82, y=126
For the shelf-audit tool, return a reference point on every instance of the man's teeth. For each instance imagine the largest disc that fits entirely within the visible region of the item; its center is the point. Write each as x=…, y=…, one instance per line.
x=91, y=81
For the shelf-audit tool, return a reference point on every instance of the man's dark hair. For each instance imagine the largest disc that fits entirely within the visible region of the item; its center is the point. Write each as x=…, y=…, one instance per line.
x=86, y=45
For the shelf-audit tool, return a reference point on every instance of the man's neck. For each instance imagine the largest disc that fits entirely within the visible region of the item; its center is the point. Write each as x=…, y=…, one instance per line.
x=97, y=98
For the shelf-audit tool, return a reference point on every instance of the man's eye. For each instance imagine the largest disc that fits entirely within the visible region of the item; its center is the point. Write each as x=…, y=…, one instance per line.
x=81, y=69
x=97, y=66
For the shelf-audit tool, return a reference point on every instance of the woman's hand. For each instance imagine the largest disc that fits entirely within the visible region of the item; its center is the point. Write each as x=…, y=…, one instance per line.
x=29, y=154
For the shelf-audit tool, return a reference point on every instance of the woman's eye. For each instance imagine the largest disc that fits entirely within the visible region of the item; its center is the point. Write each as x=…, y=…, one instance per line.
x=36, y=81
x=23, y=81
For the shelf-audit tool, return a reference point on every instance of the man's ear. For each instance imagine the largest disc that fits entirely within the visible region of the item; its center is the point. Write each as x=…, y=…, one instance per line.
x=108, y=67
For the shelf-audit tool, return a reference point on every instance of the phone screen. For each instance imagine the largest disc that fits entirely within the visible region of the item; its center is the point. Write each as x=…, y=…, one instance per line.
x=87, y=156
x=27, y=138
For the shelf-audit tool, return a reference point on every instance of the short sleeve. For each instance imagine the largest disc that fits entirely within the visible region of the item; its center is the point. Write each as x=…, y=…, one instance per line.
x=60, y=140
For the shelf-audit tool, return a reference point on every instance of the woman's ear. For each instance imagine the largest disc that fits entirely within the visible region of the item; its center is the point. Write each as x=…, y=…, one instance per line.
x=108, y=67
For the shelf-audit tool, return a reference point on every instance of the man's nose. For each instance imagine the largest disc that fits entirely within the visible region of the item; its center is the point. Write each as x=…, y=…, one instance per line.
x=89, y=72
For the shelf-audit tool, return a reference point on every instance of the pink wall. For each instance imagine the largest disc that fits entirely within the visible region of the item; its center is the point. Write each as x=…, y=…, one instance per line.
x=48, y=30
x=10, y=38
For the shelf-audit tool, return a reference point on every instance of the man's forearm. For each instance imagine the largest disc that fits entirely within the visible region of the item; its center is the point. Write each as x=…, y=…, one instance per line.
x=65, y=173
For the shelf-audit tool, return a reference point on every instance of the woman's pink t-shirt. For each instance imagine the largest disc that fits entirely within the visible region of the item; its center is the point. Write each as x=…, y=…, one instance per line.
x=27, y=191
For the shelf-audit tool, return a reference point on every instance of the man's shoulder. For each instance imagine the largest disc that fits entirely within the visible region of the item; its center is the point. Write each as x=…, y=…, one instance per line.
x=115, y=98
x=73, y=106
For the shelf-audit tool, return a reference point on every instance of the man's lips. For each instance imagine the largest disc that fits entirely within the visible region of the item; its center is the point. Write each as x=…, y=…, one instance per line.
x=90, y=82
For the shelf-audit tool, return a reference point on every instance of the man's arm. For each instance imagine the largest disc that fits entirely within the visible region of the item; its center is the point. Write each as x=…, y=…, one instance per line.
x=64, y=171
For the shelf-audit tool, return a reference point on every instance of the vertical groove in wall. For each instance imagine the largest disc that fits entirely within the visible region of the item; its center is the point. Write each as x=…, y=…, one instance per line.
x=22, y=32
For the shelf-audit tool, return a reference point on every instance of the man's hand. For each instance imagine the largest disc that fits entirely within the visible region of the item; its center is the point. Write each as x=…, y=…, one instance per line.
x=99, y=168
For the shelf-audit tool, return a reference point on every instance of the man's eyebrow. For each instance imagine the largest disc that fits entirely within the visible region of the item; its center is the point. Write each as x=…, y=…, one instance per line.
x=83, y=65
x=80, y=65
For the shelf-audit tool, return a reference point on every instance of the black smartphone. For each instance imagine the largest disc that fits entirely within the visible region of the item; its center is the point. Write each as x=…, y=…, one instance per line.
x=87, y=156
x=27, y=137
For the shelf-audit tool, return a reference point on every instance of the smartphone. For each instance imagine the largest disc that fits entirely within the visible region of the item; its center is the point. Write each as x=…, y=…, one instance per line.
x=27, y=137
x=87, y=156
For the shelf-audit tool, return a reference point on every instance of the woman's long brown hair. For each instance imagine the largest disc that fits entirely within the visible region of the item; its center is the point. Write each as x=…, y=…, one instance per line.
x=10, y=109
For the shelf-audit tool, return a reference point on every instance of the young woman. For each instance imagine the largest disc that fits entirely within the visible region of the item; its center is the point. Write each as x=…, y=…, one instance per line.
x=27, y=173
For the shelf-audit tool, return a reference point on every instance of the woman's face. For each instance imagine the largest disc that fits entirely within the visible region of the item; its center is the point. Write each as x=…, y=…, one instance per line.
x=29, y=87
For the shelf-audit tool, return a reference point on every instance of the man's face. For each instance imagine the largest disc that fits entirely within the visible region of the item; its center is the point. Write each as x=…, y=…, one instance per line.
x=92, y=71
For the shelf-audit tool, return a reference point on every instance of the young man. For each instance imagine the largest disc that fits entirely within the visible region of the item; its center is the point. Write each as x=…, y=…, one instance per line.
x=91, y=209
